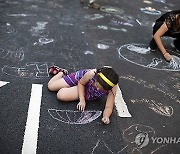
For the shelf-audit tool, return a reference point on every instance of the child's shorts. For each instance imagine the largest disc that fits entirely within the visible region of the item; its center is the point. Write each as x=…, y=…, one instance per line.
x=73, y=78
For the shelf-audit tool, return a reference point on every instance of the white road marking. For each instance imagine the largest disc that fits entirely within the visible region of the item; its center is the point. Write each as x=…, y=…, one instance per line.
x=32, y=124
x=120, y=104
x=2, y=83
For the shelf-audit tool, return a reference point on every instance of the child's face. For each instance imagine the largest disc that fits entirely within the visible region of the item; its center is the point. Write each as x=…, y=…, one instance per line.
x=98, y=86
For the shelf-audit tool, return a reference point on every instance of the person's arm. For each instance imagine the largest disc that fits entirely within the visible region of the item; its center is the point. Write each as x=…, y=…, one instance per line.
x=81, y=89
x=109, y=105
x=157, y=37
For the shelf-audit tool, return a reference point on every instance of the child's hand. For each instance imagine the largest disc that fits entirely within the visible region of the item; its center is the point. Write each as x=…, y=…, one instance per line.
x=81, y=105
x=167, y=56
x=105, y=120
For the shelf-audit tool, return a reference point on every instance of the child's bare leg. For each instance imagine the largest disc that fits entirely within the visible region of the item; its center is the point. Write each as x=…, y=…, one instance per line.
x=57, y=82
x=68, y=94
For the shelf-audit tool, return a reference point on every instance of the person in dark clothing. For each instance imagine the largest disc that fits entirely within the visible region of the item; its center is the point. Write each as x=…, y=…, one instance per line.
x=167, y=25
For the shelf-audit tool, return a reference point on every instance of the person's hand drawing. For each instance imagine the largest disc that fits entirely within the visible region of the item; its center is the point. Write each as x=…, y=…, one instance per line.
x=105, y=120
x=81, y=105
x=167, y=56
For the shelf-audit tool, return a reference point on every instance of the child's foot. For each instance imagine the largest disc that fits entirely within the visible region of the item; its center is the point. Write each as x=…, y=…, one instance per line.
x=53, y=70
x=94, y=5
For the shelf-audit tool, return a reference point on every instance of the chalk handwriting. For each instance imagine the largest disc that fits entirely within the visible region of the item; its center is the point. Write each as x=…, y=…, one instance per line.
x=14, y=55
x=151, y=86
x=36, y=70
x=74, y=117
x=157, y=107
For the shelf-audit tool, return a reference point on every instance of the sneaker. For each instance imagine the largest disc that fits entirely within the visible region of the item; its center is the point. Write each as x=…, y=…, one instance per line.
x=94, y=5
x=152, y=50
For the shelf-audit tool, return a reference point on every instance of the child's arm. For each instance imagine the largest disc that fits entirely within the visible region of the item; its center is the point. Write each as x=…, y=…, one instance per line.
x=109, y=105
x=81, y=89
x=157, y=37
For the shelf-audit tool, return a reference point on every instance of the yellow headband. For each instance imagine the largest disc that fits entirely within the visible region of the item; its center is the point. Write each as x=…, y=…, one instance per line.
x=106, y=80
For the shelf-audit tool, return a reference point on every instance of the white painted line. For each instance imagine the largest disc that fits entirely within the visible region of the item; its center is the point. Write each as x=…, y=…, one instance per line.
x=120, y=104
x=32, y=124
x=2, y=83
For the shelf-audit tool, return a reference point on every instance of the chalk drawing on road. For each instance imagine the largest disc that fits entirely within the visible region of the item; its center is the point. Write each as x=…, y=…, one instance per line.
x=147, y=2
x=145, y=84
x=111, y=9
x=175, y=63
x=7, y=28
x=139, y=134
x=100, y=144
x=102, y=46
x=138, y=137
x=74, y=117
x=104, y=27
x=107, y=41
x=156, y=107
x=160, y=1
x=94, y=16
x=39, y=29
x=13, y=55
x=140, y=55
x=118, y=23
x=88, y=53
x=144, y=21
x=43, y=41
x=3, y=83
x=21, y=15
x=35, y=70
x=150, y=10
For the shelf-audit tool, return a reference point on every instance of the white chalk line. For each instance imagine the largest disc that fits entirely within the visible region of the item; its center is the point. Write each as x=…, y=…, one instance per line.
x=120, y=104
x=32, y=124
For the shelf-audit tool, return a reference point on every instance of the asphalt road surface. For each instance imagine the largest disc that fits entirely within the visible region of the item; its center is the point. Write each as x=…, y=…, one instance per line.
x=35, y=34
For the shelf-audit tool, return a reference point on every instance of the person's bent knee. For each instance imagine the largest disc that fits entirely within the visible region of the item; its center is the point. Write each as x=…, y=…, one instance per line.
x=51, y=87
x=61, y=95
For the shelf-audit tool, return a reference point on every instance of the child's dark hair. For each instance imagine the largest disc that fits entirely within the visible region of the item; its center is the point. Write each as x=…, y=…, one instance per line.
x=107, y=73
